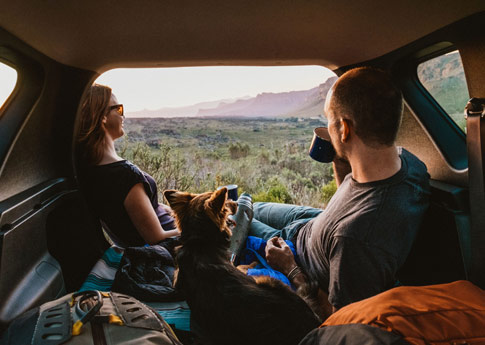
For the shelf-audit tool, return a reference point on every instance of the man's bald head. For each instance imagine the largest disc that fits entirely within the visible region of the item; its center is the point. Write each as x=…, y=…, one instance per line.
x=370, y=100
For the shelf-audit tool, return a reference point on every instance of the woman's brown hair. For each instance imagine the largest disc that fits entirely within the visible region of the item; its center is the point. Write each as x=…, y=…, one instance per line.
x=91, y=136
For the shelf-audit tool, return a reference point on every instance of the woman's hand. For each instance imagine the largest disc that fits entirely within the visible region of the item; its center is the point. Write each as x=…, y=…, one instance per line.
x=279, y=255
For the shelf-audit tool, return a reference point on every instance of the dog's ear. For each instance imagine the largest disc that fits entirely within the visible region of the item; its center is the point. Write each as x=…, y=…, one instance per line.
x=217, y=201
x=177, y=199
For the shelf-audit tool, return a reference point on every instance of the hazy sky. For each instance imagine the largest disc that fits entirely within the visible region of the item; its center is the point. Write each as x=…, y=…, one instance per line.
x=8, y=77
x=157, y=88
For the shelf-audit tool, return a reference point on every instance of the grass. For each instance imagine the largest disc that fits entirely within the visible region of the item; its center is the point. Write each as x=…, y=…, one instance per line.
x=266, y=157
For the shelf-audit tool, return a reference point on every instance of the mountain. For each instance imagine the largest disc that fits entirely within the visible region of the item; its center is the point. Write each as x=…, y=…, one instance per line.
x=315, y=101
x=445, y=80
x=186, y=111
x=307, y=103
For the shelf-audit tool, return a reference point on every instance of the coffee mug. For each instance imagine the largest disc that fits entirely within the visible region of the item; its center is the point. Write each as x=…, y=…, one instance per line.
x=231, y=191
x=321, y=149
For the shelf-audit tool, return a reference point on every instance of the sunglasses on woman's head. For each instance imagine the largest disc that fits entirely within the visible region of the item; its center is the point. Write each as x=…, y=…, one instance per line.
x=119, y=109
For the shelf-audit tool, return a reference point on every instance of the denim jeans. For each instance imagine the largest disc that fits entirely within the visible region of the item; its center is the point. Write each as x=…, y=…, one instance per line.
x=283, y=220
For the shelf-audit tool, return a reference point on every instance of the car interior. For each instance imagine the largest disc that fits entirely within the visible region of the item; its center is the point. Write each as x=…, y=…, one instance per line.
x=49, y=240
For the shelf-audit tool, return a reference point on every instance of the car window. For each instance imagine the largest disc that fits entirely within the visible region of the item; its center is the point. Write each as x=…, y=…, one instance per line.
x=256, y=137
x=8, y=79
x=444, y=78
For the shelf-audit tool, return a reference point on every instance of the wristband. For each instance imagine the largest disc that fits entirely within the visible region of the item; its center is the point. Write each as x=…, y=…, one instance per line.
x=293, y=273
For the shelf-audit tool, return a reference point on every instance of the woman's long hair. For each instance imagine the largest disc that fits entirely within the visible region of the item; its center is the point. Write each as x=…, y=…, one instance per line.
x=90, y=139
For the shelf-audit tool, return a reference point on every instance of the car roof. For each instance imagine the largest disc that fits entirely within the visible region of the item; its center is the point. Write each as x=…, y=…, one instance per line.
x=99, y=35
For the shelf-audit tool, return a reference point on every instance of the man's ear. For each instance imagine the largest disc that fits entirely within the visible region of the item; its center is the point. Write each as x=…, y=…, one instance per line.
x=344, y=130
x=176, y=198
x=218, y=200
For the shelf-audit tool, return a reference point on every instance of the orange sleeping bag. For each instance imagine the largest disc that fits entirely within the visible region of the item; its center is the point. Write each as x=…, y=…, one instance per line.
x=451, y=313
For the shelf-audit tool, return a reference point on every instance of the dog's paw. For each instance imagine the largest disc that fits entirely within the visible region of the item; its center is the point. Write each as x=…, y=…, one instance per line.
x=244, y=268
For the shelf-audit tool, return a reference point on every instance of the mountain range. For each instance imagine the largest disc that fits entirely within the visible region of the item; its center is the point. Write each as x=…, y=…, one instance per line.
x=307, y=103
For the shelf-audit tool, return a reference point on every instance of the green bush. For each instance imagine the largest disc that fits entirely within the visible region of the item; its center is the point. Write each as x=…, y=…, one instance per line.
x=277, y=192
x=328, y=191
x=238, y=150
x=265, y=164
x=168, y=168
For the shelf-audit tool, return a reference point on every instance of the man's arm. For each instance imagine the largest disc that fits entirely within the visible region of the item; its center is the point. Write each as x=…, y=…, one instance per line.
x=280, y=257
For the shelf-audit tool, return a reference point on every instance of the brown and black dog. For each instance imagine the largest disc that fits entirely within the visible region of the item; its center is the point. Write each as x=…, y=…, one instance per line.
x=227, y=306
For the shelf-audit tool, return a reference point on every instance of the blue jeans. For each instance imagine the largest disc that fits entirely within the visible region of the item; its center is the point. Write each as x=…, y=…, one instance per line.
x=283, y=220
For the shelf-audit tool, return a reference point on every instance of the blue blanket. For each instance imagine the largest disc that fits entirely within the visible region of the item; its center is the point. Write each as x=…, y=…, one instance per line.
x=255, y=251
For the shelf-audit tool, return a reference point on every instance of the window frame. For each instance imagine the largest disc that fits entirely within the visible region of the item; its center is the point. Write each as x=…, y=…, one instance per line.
x=17, y=107
x=447, y=135
x=5, y=103
x=428, y=58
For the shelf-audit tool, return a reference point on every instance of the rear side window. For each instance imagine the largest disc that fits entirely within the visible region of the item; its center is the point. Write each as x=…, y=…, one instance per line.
x=444, y=78
x=8, y=79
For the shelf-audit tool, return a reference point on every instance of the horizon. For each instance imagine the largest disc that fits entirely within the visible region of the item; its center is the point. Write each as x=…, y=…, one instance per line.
x=152, y=89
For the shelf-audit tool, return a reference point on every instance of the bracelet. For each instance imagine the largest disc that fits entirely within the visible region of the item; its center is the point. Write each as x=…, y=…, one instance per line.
x=293, y=273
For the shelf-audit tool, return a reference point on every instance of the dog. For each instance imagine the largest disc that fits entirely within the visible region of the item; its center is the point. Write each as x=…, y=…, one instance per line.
x=227, y=306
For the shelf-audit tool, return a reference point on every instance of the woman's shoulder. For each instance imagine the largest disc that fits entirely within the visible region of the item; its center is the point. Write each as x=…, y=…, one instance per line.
x=122, y=168
x=118, y=165
x=128, y=168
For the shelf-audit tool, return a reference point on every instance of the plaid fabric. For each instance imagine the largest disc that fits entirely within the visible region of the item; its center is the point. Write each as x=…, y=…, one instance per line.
x=103, y=273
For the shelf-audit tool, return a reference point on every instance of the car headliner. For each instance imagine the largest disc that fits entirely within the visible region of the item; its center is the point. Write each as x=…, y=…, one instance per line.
x=101, y=34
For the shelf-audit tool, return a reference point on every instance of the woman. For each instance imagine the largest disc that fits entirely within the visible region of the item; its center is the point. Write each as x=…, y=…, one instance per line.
x=123, y=197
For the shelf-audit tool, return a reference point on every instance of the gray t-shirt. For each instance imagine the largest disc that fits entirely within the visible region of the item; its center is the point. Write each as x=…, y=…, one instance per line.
x=354, y=248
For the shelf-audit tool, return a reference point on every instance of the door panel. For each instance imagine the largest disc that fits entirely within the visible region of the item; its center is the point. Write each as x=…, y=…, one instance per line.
x=29, y=275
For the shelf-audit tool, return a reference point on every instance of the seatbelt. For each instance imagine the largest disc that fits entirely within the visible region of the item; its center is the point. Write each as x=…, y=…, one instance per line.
x=475, y=124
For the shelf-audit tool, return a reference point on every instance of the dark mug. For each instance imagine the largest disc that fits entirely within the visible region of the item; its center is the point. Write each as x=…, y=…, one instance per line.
x=231, y=191
x=321, y=148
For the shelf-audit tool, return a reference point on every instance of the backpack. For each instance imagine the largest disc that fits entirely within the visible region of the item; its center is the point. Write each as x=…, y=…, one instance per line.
x=90, y=317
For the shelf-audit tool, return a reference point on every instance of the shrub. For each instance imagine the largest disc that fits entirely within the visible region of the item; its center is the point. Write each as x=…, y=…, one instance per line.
x=277, y=192
x=238, y=150
x=328, y=191
x=267, y=164
x=168, y=168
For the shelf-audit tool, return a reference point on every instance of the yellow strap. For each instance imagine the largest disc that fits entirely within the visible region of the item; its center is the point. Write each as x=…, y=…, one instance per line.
x=76, y=328
x=72, y=300
x=115, y=319
x=171, y=331
x=104, y=294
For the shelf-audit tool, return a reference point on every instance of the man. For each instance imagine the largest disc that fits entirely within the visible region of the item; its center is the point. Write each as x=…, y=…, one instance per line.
x=353, y=249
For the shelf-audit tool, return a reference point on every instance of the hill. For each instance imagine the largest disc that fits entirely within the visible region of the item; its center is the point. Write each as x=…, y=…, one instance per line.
x=187, y=111
x=306, y=103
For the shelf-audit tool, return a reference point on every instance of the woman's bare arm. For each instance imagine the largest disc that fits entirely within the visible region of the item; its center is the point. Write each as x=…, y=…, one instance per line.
x=144, y=218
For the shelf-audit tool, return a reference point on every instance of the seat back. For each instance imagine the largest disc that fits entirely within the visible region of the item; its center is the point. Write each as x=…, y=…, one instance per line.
x=441, y=251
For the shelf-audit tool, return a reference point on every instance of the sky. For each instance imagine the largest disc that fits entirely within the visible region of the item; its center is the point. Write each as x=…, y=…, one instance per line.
x=155, y=88
x=8, y=78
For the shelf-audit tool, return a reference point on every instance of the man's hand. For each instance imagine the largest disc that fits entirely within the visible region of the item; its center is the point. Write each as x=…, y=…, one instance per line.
x=341, y=168
x=279, y=255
